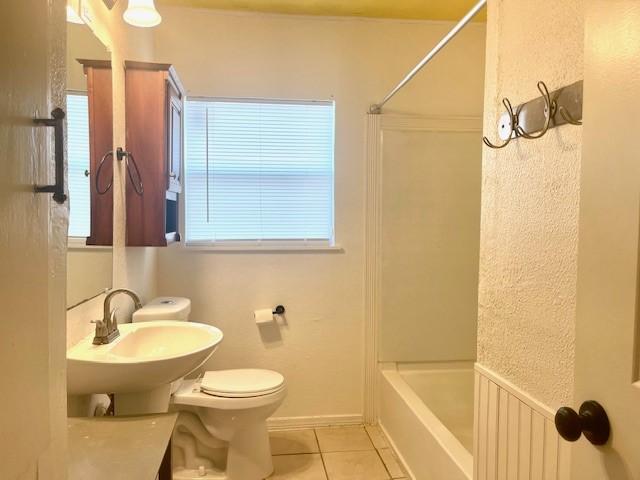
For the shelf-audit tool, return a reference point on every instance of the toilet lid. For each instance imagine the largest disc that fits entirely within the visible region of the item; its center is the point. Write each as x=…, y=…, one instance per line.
x=241, y=383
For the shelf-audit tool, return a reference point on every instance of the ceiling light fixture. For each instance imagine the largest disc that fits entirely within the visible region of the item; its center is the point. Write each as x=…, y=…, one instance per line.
x=142, y=13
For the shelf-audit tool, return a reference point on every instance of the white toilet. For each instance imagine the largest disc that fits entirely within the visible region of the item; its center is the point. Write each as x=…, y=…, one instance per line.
x=223, y=408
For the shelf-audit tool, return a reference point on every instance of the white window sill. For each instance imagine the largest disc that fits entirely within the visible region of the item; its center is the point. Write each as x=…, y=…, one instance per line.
x=80, y=243
x=256, y=248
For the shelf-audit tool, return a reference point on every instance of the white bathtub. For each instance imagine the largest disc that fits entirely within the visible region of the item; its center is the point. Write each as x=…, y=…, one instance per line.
x=426, y=410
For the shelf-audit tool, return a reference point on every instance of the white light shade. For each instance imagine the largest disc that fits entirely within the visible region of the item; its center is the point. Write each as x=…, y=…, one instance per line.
x=142, y=13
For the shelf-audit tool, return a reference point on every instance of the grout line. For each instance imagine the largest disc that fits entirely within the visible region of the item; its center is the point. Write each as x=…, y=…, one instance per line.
x=344, y=451
x=394, y=454
x=293, y=454
x=369, y=435
x=384, y=464
x=324, y=467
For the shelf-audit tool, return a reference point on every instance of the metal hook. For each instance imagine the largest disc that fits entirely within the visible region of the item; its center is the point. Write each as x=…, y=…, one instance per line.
x=550, y=110
x=137, y=187
x=122, y=154
x=513, y=120
x=97, y=177
x=567, y=116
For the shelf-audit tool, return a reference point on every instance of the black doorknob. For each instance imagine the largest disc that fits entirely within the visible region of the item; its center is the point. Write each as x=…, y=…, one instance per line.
x=592, y=421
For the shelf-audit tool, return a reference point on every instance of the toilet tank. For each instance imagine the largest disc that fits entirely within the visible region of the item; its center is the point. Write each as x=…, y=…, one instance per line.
x=164, y=308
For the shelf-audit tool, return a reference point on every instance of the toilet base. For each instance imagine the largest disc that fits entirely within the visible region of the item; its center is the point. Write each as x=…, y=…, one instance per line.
x=191, y=474
x=249, y=455
x=239, y=422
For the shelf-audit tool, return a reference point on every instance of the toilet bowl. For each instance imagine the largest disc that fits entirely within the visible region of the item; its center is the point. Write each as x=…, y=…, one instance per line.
x=222, y=409
x=233, y=406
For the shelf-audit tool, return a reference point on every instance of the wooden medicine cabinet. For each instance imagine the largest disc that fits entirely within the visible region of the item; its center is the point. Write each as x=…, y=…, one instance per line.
x=154, y=99
x=100, y=100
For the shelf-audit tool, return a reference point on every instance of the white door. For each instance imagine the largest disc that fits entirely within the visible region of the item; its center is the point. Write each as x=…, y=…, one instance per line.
x=608, y=329
x=32, y=244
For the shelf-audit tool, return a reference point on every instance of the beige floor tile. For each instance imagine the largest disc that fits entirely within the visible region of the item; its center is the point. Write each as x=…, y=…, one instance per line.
x=393, y=466
x=376, y=436
x=298, y=467
x=293, y=441
x=343, y=439
x=354, y=466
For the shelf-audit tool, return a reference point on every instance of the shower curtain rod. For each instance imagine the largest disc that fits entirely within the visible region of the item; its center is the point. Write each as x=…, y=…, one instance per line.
x=377, y=108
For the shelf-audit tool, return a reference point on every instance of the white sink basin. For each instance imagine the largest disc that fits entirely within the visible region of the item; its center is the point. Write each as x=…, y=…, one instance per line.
x=145, y=356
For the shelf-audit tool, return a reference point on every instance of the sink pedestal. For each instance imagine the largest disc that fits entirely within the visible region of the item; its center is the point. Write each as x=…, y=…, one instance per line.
x=142, y=403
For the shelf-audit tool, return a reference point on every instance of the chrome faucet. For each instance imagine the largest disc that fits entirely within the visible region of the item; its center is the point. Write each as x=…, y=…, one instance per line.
x=107, y=328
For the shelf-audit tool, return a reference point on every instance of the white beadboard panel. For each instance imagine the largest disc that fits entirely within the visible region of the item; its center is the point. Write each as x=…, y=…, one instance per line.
x=514, y=434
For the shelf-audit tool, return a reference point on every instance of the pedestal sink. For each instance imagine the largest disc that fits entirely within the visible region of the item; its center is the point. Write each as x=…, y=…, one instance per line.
x=146, y=358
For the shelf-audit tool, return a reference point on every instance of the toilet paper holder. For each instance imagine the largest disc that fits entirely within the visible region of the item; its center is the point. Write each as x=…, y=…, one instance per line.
x=279, y=310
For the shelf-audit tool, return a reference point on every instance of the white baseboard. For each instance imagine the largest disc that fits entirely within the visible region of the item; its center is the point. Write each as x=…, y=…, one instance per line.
x=293, y=423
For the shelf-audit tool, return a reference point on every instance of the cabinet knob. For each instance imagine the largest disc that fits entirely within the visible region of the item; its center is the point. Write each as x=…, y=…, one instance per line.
x=591, y=420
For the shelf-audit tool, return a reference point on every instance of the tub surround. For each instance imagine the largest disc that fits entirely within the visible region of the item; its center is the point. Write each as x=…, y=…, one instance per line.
x=427, y=446
x=447, y=389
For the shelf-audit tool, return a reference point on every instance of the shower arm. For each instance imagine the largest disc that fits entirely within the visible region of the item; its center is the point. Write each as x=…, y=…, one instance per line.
x=377, y=108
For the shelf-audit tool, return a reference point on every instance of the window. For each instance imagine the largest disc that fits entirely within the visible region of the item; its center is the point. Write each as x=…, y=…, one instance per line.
x=78, y=159
x=259, y=172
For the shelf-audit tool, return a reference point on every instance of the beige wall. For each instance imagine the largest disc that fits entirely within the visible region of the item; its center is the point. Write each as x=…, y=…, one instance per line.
x=82, y=43
x=530, y=194
x=88, y=273
x=356, y=62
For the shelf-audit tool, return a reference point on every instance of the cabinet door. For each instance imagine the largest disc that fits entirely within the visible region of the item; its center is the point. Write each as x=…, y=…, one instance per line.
x=175, y=149
x=100, y=143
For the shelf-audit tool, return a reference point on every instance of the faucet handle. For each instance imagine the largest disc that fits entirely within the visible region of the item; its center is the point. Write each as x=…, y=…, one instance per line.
x=101, y=328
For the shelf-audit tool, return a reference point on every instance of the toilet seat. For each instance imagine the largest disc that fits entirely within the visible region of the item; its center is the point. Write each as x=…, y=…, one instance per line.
x=190, y=394
x=241, y=383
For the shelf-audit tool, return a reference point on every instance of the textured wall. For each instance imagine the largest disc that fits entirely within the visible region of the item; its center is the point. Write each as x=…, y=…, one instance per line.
x=32, y=245
x=355, y=62
x=530, y=194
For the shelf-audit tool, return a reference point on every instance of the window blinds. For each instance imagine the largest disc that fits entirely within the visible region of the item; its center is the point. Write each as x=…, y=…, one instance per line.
x=78, y=160
x=259, y=171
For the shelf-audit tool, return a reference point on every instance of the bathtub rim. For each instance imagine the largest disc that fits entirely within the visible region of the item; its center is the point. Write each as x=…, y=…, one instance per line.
x=448, y=442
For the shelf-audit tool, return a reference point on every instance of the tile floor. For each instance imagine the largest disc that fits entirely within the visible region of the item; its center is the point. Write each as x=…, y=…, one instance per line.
x=333, y=453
